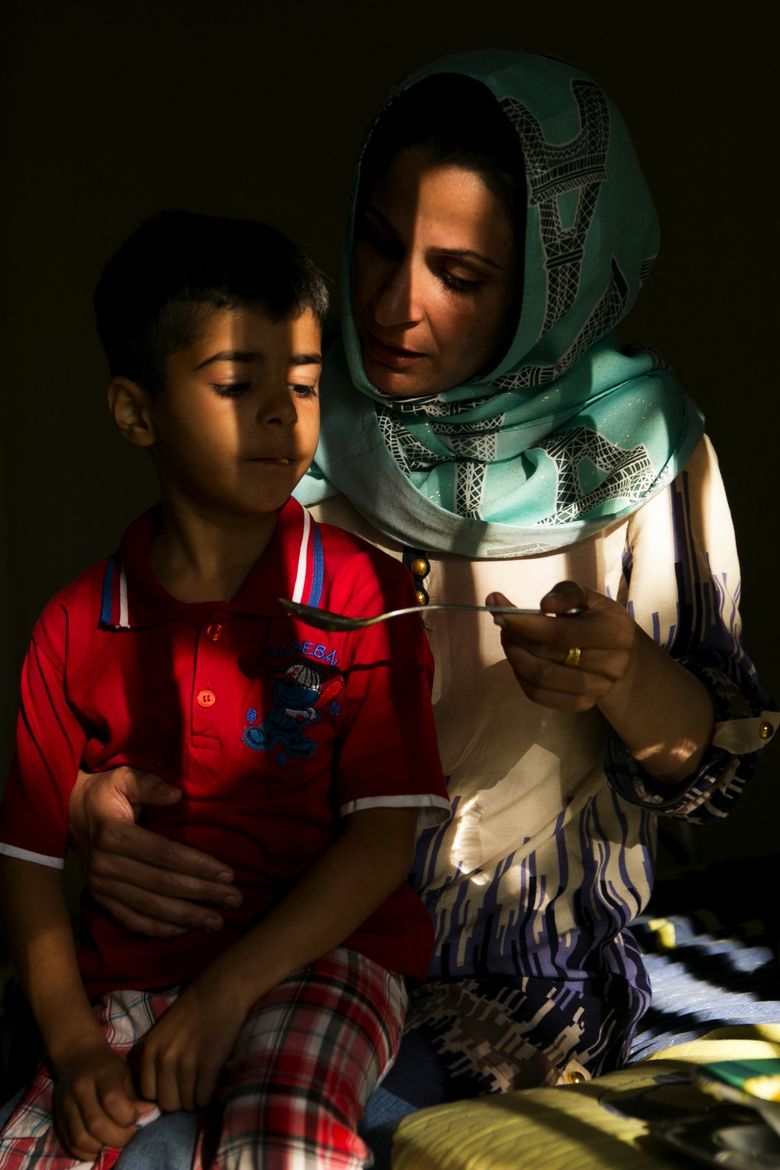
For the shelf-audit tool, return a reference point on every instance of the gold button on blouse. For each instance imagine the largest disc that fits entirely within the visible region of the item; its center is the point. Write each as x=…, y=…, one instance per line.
x=420, y=566
x=766, y=731
x=422, y=596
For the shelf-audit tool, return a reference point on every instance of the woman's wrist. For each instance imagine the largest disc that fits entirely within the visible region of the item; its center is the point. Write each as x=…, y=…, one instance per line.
x=661, y=712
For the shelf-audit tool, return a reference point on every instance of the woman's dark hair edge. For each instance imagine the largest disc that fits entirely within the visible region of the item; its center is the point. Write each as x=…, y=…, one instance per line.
x=458, y=121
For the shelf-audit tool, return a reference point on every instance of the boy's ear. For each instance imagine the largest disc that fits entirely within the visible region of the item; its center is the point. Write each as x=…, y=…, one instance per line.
x=130, y=404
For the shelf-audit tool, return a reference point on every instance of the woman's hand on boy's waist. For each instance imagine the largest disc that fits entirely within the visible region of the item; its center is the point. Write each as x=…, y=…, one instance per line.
x=148, y=883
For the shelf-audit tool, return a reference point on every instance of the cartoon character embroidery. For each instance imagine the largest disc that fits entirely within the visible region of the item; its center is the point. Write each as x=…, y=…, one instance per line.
x=297, y=694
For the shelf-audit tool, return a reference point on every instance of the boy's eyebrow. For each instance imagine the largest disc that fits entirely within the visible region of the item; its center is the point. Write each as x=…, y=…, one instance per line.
x=256, y=355
x=232, y=355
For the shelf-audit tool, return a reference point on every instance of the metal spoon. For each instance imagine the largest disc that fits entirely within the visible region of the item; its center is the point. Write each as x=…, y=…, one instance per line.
x=324, y=619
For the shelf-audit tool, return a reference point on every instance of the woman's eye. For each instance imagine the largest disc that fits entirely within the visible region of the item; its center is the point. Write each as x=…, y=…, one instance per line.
x=458, y=283
x=230, y=389
x=303, y=390
x=377, y=238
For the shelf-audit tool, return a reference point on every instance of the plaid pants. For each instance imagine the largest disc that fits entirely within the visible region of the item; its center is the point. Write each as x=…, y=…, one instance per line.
x=292, y=1092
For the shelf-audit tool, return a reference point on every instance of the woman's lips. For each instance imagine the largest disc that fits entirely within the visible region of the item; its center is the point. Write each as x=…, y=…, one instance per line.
x=395, y=357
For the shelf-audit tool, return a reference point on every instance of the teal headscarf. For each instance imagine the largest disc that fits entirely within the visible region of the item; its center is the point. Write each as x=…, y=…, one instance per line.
x=572, y=430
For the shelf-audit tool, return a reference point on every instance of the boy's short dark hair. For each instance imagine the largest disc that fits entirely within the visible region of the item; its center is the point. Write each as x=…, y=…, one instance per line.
x=175, y=268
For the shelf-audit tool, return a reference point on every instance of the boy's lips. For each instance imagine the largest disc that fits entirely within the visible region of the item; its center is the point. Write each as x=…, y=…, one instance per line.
x=396, y=357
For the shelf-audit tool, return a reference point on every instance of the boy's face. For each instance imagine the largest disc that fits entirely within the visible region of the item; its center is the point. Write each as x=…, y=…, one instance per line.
x=237, y=423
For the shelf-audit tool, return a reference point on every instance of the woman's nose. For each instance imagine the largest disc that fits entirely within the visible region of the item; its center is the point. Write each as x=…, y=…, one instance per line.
x=398, y=301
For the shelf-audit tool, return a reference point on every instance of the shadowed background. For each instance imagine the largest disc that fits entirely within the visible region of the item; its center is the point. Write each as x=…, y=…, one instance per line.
x=253, y=109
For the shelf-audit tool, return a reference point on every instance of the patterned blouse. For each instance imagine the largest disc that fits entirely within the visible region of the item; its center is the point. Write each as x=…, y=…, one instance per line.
x=548, y=852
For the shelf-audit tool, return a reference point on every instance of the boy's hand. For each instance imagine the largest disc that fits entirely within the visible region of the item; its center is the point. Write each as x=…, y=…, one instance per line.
x=148, y=883
x=95, y=1104
x=184, y=1053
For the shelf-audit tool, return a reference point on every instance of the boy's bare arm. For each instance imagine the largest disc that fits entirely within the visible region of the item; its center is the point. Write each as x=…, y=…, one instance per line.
x=187, y=1048
x=95, y=1102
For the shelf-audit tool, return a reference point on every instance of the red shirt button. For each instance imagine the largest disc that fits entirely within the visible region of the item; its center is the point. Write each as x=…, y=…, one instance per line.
x=213, y=631
x=206, y=698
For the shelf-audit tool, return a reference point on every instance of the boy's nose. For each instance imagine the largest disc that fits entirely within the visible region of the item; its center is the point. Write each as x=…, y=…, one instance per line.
x=277, y=409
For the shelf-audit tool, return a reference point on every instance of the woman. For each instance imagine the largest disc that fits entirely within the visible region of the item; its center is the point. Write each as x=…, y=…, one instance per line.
x=482, y=421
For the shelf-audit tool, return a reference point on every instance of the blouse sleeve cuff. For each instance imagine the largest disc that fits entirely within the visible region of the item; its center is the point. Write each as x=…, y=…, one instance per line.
x=739, y=735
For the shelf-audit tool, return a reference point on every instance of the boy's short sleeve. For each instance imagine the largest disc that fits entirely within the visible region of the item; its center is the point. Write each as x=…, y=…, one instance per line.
x=388, y=754
x=49, y=746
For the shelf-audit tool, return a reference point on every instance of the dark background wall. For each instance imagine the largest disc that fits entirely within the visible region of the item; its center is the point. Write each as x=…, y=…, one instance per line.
x=112, y=112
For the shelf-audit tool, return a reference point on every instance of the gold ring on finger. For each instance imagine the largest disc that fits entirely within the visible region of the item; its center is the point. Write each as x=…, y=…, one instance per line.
x=573, y=656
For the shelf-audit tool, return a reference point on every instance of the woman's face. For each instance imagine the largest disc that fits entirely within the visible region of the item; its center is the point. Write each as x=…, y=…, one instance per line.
x=434, y=276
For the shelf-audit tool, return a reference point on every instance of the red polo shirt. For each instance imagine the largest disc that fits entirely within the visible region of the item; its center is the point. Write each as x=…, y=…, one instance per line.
x=272, y=729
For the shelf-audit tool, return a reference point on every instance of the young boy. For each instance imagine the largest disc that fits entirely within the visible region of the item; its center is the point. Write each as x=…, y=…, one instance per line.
x=306, y=760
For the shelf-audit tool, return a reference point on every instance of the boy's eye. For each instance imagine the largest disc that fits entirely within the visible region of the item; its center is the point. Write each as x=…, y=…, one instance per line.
x=230, y=389
x=302, y=389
